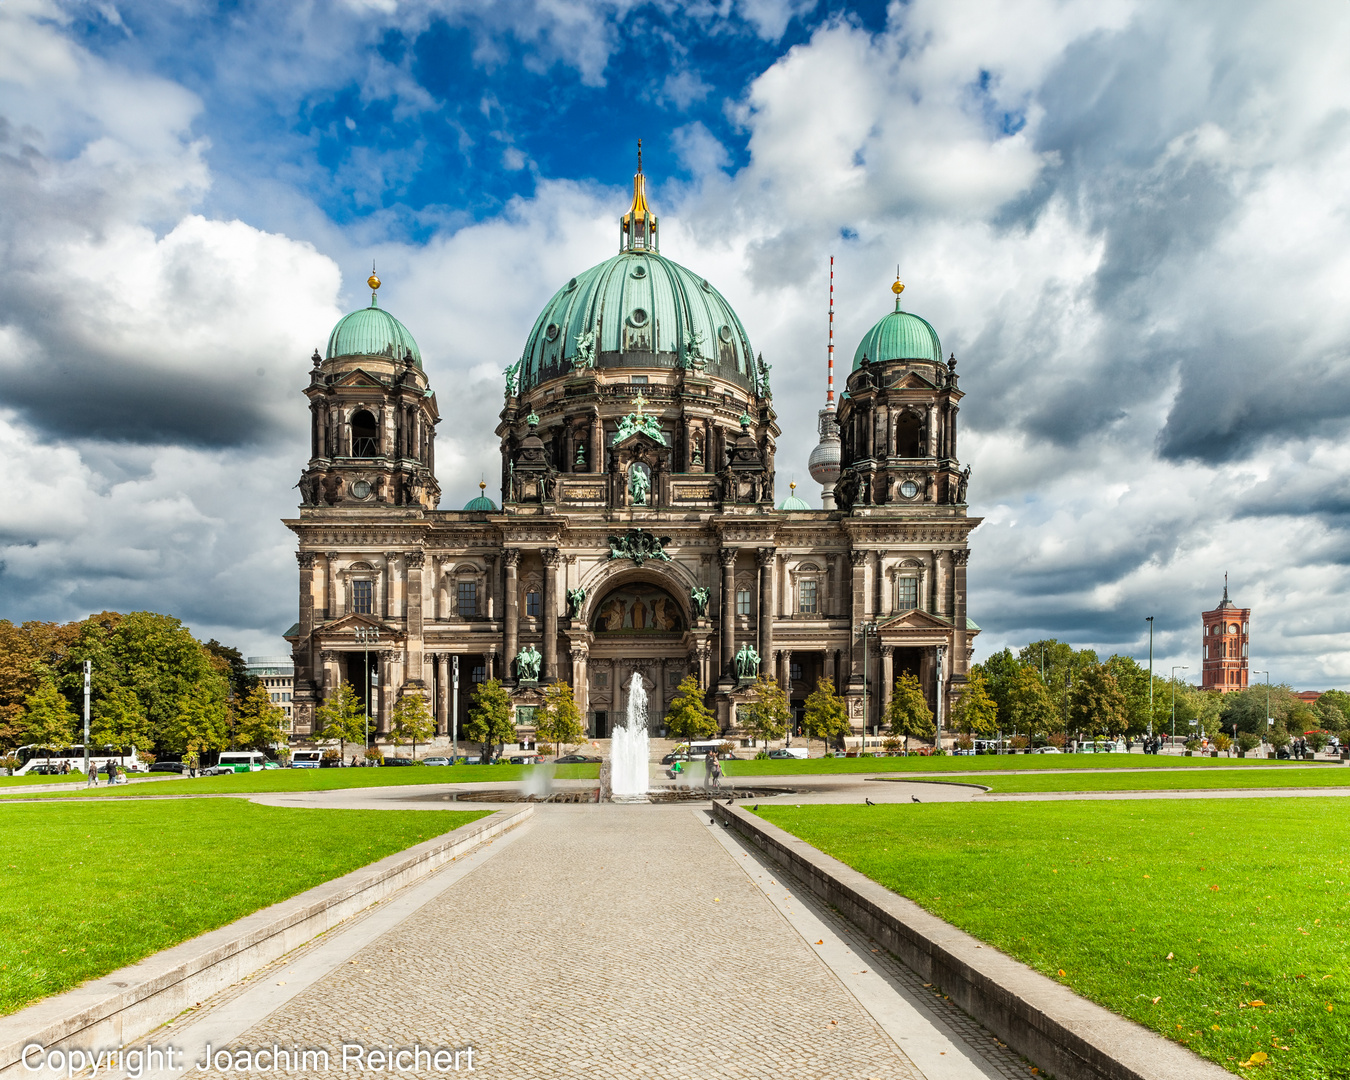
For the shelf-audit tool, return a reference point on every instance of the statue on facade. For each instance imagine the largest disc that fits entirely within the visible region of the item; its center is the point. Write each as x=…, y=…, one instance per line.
x=638, y=484
x=764, y=389
x=584, y=357
x=513, y=379
x=639, y=545
x=575, y=598
x=747, y=664
x=962, y=484
x=694, y=359
x=527, y=664
x=699, y=595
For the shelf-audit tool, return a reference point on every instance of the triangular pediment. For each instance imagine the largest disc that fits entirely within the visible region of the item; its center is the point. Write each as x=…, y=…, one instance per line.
x=912, y=380
x=914, y=619
x=360, y=378
x=346, y=628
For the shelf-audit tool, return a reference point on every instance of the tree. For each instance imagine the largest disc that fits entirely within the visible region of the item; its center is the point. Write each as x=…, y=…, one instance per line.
x=689, y=717
x=1060, y=658
x=1096, y=703
x=259, y=723
x=230, y=662
x=48, y=719
x=908, y=713
x=29, y=654
x=825, y=716
x=412, y=722
x=491, y=719
x=1000, y=672
x=768, y=714
x=975, y=711
x=117, y=719
x=1133, y=682
x=559, y=720
x=1029, y=706
x=342, y=718
x=1332, y=708
x=199, y=722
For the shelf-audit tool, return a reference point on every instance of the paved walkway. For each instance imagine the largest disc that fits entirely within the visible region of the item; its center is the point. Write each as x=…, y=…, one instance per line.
x=607, y=941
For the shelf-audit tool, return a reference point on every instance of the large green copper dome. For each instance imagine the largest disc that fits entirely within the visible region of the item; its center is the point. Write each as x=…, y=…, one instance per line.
x=637, y=309
x=899, y=336
x=372, y=331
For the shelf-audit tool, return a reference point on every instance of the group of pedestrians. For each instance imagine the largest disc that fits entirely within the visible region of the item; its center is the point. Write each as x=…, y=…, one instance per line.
x=110, y=769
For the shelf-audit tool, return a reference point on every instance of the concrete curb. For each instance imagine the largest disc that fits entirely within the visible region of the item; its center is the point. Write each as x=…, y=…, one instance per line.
x=1065, y=1034
x=125, y=1004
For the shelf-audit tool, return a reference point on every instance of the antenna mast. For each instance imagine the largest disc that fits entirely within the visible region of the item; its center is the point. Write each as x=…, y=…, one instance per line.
x=829, y=391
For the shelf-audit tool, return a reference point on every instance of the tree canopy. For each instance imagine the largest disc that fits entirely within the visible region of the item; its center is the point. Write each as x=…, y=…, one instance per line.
x=825, y=716
x=688, y=717
x=975, y=712
x=492, y=721
x=908, y=714
x=768, y=714
x=411, y=721
x=558, y=721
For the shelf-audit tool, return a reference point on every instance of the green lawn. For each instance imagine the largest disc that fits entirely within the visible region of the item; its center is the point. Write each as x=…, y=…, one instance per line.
x=1219, y=924
x=1174, y=780
x=24, y=781
x=86, y=889
x=328, y=779
x=992, y=763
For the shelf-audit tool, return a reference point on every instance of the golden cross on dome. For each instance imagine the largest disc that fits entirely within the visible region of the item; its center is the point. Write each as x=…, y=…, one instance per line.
x=639, y=401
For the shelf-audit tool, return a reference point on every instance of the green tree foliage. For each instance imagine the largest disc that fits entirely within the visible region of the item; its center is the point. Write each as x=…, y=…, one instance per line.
x=559, y=720
x=342, y=718
x=117, y=719
x=48, y=719
x=825, y=716
x=908, y=714
x=1096, y=702
x=768, y=714
x=230, y=662
x=1060, y=658
x=1247, y=708
x=198, y=722
x=689, y=717
x=491, y=719
x=1001, y=672
x=30, y=653
x=975, y=712
x=1030, y=708
x=258, y=723
x=412, y=722
x=1133, y=681
x=1333, y=709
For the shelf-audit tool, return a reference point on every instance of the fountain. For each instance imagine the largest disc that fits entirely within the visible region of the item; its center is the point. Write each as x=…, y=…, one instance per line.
x=629, y=755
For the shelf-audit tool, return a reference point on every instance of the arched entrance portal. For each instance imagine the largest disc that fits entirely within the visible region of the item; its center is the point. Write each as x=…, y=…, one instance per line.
x=636, y=625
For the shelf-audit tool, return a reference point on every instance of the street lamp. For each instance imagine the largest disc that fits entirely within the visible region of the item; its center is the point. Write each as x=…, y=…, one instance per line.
x=1175, y=669
x=867, y=628
x=454, y=709
x=1270, y=720
x=1149, y=620
x=367, y=635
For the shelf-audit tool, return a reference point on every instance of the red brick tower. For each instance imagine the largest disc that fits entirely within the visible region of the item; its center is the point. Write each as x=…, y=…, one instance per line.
x=1224, y=646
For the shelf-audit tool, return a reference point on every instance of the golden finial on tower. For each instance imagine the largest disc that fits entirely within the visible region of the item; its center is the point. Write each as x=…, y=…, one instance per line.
x=897, y=288
x=482, y=486
x=373, y=281
x=793, y=486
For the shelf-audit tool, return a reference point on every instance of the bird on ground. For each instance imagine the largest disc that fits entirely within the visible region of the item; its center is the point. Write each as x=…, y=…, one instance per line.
x=756, y=806
x=868, y=801
x=914, y=798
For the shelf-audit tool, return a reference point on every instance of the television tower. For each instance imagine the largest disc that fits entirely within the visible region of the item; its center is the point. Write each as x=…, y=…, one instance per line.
x=824, y=461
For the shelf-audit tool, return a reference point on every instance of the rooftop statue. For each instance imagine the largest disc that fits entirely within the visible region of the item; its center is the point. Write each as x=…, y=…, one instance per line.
x=747, y=663
x=527, y=664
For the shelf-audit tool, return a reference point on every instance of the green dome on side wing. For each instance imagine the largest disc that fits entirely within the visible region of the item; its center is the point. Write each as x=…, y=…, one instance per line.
x=899, y=336
x=792, y=502
x=372, y=331
x=481, y=503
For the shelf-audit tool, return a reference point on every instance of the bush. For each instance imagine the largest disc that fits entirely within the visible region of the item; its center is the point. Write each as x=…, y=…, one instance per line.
x=1279, y=738
x=373, y=755
x=892, y=744
x=1192, y=744
x=1019, y=742
x=965, y=742
x=1317, y=740
x=762, y=755
x=1057, y=739
x=1247, y=741
x=331, y=755
x=1222, y=742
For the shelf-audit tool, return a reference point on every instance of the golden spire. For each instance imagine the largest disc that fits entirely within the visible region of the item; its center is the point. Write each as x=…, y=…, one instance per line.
x=897, y=288
x=637, y=228
x=374, y=283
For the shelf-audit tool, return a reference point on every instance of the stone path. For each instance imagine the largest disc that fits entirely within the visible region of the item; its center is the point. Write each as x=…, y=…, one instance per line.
x=607, y=941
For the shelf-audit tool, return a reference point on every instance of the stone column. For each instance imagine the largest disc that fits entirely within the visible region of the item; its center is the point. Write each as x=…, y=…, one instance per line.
x=857, y=615
x=382, y=697
x=415, y=561
x=512, y=557
x=330, y=676
x=930, y=448
x=443, y=695
x=550, y=614
x=491, y=663
x=305, y=657
x=597, y=443
x=581, y=683
x=887, y=678
x=330, y=601
x=493, y=606
x=960, y=558
x=728, y=559
x=764, y=558
x=785, y=672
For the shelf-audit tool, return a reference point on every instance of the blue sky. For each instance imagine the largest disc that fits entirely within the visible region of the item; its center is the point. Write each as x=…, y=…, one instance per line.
x=1128, y=220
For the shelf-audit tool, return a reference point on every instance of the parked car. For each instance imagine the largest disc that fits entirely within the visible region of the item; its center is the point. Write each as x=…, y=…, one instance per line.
x=169, y=766
x=217, y=770
x=524, y=759
x=398, y=761
x=577, y=759
x=468, y=759
x=795, y=753
x=1047, y=750
x=436, y=761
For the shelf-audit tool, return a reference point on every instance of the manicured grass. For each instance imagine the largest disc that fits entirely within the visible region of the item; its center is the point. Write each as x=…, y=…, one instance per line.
x=26, y=781
x=330, y=779
x=1173, y=780
x=988, y=763
x=1219, y=924
x=88, y=888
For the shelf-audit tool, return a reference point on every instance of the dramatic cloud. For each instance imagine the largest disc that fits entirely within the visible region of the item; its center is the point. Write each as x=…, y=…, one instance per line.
x=1127, y=219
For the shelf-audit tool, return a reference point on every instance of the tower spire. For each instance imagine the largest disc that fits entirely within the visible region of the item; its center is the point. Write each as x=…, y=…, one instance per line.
x=829, y=379
x=637, y=228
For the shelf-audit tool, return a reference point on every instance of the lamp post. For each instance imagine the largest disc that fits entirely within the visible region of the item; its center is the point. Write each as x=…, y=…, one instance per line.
x=366, y=635
x=1149, y=620
x=1175, y=669
x=867, y=629
x=454, y=709
x=88, y=667
x=1270, y=720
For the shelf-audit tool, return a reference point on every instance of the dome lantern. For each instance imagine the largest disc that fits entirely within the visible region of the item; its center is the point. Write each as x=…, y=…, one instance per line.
x=372, y=331
x=637, y=228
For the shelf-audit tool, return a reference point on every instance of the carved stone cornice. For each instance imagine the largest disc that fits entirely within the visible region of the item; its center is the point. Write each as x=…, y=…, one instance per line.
x=415, y=559
x=961, y=556
x=306, y=559
x=551, y=558
x=764, y=555
x=327, y=656
x=727, y=556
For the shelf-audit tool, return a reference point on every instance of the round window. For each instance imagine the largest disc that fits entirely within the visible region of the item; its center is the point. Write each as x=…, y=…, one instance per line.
x=551, y=331
x=909, y=489
x=361, y=489
x=724, y=332
x=706, y=287
x=571, y=284
x=638, y=318
x=639, y=271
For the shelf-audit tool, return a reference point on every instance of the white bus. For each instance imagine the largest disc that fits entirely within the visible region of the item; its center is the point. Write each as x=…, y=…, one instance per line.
x=34, y=758
x=242, y=760
x=306, y=759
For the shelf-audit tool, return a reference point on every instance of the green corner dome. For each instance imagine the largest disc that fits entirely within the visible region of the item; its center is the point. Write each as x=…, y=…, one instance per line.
x=372, y=331
x=792, y=502
x=899, y=336
x=482, y=503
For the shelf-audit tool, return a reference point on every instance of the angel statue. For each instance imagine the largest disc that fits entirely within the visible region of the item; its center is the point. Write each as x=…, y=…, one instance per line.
x=699, y=595
x=764, y=389
x=575, y=598
x=694, y=359
x=584, y=357
x=512, y=379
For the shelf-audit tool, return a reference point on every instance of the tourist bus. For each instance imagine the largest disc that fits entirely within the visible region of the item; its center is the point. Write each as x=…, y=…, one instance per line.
x=242, y=760
x=33, y=758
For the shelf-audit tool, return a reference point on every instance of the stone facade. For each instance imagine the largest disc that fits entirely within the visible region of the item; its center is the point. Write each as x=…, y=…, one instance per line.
x=637, y=532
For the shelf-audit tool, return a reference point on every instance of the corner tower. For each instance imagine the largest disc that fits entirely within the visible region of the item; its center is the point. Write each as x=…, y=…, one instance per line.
x=1223, y=665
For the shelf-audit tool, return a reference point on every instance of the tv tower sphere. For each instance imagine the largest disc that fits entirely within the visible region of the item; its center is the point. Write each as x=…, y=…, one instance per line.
x=824, y=461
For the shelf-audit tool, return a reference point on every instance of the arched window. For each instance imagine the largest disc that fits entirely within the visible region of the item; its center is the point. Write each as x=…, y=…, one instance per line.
x=365, y=435
x=742, y=601
x=532, y=604
x=907, y=436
